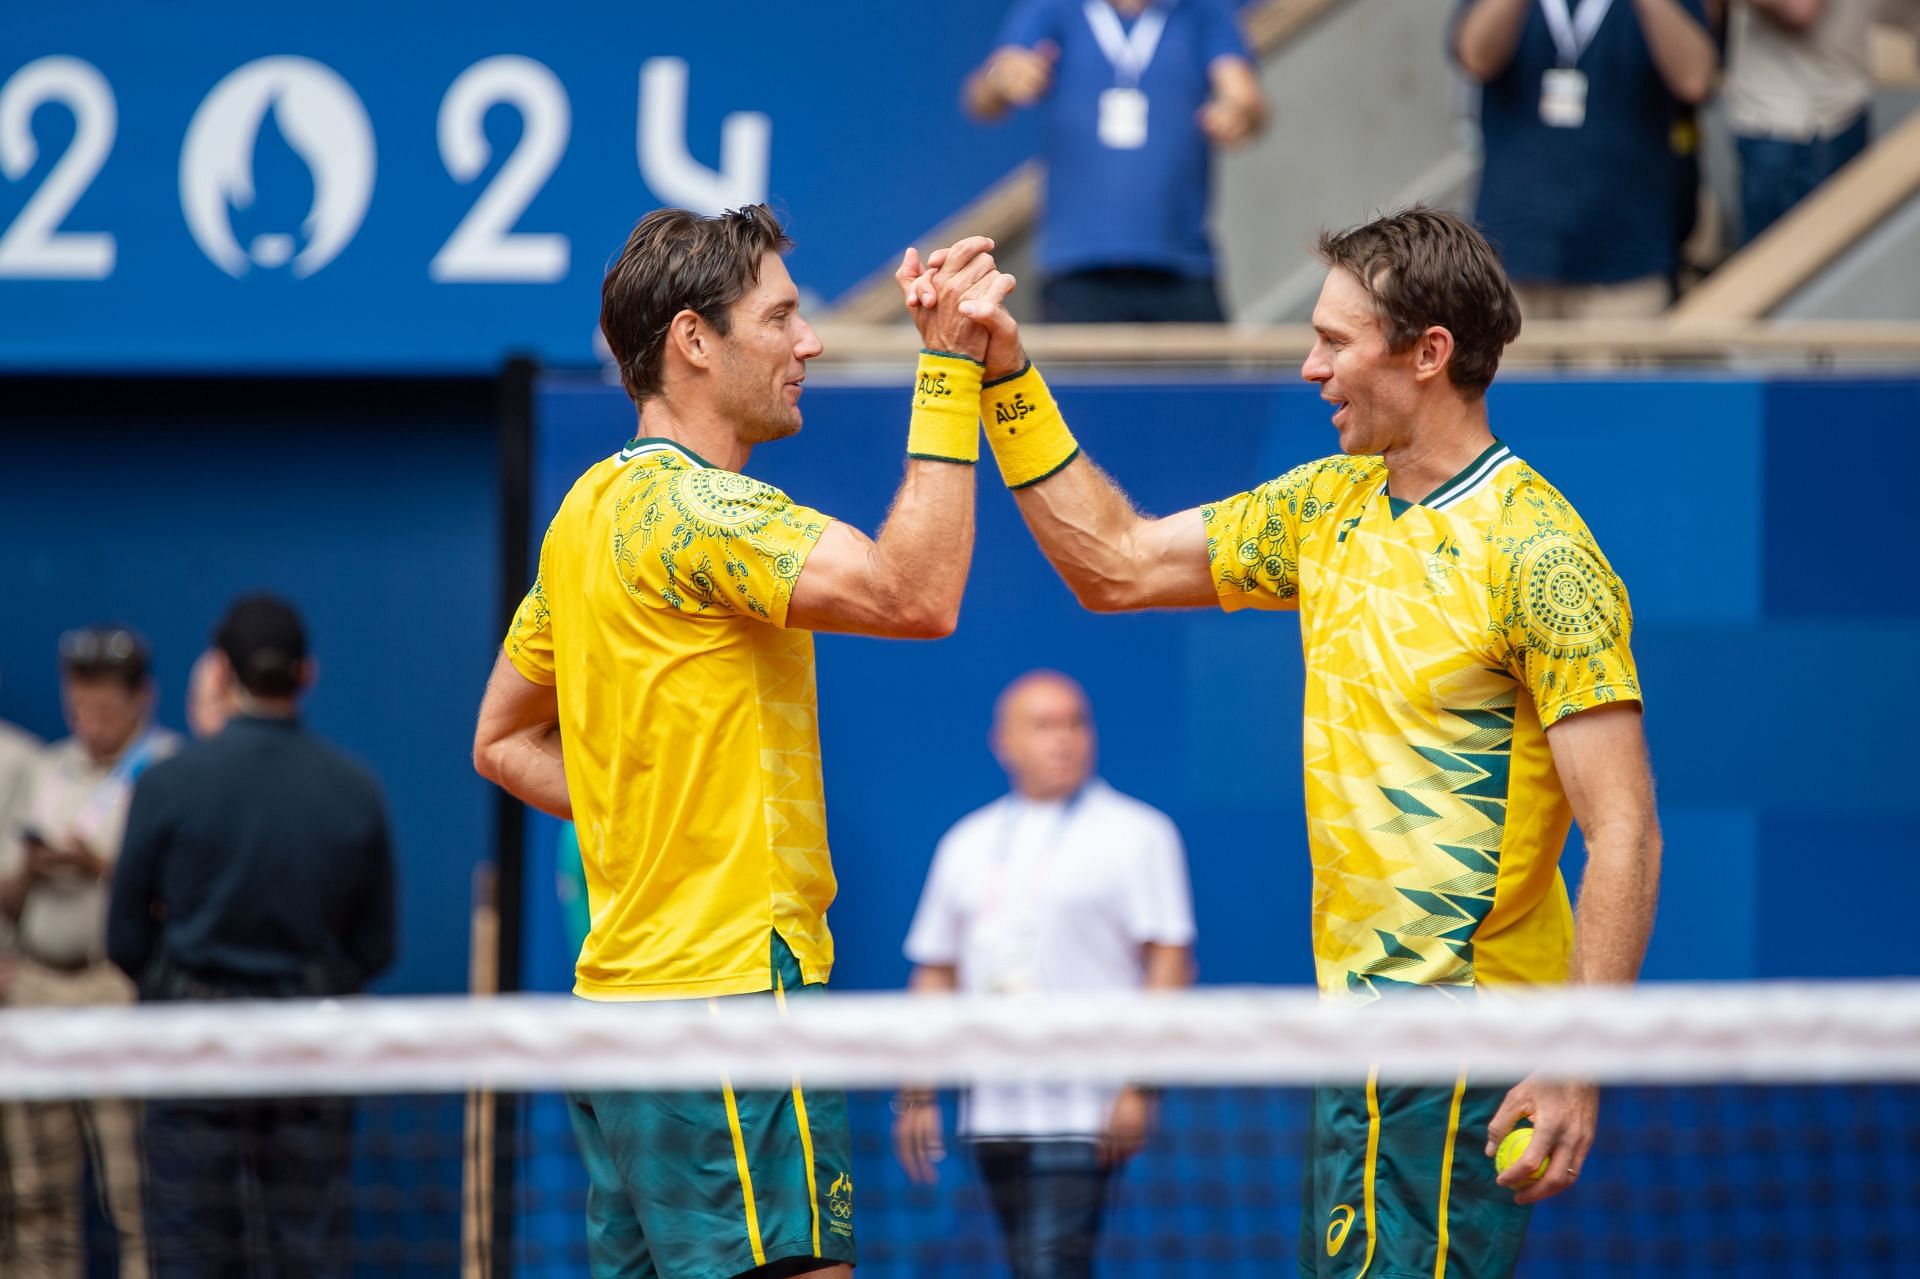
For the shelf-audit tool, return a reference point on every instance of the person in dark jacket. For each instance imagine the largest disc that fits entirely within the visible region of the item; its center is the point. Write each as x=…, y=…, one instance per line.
x=257, y=864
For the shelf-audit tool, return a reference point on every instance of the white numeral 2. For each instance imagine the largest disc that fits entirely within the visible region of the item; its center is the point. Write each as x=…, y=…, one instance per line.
x=485, y=246
x=34, y=246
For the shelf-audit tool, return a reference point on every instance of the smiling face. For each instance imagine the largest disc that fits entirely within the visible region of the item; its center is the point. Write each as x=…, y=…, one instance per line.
x=1374, y=392
x=763, y=357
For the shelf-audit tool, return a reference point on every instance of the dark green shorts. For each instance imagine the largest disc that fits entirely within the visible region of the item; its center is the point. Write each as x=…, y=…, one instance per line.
x=707, y=1185
x=1397, y=1176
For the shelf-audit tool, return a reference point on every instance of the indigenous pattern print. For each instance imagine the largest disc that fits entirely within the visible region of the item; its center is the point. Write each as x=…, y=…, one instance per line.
x=1440, y=638
x=720, y=540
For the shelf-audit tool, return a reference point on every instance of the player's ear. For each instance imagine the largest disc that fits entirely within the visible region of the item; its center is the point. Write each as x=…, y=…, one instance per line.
x=688, y=334
x=1432, y=353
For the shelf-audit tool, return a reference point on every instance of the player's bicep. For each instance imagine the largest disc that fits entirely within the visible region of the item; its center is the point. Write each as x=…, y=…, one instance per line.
x=840, y=589
x=1601, y=758
x=1170, y=556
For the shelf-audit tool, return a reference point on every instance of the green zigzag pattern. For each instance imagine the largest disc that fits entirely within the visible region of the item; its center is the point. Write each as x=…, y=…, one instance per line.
x=1476, y=770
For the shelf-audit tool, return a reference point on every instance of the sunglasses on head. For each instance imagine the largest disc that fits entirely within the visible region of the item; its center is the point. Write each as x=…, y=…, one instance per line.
x=102, y=648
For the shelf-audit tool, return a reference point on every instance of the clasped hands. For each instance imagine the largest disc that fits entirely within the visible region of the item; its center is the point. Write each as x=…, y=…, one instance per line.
x=957, y=298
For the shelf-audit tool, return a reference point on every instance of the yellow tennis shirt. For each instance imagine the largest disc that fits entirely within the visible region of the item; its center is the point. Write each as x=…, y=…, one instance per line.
x=689, y=723
x=1440, y=637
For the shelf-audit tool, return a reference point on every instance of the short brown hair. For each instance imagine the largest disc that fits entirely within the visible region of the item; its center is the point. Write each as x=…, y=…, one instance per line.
x=1425, y=267
x=676, y=261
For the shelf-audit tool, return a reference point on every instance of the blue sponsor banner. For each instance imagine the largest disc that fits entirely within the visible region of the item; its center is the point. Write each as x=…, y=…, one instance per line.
x=426, y=185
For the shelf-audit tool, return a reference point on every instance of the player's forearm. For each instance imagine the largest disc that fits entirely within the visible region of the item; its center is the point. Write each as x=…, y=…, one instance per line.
x=1618, y=896
x=529, y=766
x=1488, y=34
x=922, y=553
x=1683, y=52
x=1087, y=529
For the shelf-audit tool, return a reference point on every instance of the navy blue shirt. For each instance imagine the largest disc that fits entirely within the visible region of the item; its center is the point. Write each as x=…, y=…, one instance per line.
x=1145, y=207
x=1600, y=204
x=255, y=862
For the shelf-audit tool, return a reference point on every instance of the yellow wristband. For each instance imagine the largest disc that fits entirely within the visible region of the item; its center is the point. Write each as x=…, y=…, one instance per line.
x=1030, y=439
x=946, y=409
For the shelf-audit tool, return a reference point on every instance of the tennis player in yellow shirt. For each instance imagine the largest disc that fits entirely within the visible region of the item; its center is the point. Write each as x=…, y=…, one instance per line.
x=1470, y=692
x=657, y=687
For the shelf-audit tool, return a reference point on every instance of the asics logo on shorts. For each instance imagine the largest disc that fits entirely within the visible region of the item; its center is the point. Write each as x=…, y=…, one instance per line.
x=1338, y=1227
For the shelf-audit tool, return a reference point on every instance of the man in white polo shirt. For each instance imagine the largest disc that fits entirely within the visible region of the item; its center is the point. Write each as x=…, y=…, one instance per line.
x=1063, y=885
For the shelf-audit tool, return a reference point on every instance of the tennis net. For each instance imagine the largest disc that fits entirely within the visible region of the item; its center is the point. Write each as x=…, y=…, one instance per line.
x=1746, y=1129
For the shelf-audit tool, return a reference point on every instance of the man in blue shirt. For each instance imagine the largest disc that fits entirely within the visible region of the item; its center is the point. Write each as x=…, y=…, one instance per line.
x=1586, y=124
x=1135, y=93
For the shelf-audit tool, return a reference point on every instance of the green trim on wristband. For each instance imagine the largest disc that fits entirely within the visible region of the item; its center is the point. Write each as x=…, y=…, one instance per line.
x=945, y=426
x=1030, y=439
x=1064, y=464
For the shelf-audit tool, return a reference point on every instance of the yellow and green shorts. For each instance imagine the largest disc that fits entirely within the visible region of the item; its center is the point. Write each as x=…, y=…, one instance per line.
x=1398, y=1185
x=712, y=1184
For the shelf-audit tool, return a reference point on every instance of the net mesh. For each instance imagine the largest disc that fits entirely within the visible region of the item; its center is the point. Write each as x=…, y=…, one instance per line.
x=1745, y=1130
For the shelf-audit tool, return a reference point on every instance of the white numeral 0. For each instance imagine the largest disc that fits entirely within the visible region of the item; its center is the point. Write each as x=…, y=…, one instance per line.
x=34, y=246
x=485, y=246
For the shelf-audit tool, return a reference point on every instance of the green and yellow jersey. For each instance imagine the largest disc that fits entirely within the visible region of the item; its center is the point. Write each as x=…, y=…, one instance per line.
x=689, y=723
x=1440, y=638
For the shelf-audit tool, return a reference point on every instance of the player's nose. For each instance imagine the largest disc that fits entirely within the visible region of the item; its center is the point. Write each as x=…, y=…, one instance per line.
x=807, y=343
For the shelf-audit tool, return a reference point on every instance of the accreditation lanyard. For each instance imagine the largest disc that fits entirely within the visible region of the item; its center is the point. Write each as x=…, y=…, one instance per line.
x=1130, y=52
x=1123, y=108
x=1563, y=90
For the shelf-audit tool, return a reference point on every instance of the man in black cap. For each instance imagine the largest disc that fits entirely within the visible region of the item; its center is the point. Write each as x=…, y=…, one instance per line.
x=256, y=865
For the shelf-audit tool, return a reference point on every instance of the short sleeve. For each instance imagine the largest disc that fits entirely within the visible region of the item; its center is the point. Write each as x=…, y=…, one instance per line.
x=934, y=936
x=734, y=545
x=1253, y=541
x=1566, y=618
x=1159, y=897
x=1031, y=21
x=529, y=642
x=1220, y=35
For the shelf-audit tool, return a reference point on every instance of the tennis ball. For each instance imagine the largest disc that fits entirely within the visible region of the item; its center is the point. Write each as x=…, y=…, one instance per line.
x=1514, y=1145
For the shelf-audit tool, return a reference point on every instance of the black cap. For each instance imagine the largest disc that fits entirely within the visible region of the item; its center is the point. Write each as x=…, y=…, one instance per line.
x=263, y=638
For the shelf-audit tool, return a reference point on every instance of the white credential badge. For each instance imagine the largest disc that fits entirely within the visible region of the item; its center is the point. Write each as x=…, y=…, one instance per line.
x=1563, y=89
x=1123, y=108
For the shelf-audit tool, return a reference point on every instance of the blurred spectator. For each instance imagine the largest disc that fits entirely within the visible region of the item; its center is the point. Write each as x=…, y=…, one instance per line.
x=1066, y=884
x=257, y=865
x=57, y=895
x=1137, y=93
x=19, y=759
x=20, y=753
x=1587, y=137
x=1797, y=92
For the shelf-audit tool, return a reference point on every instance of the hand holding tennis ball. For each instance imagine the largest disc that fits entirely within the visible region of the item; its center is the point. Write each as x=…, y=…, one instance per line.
x=1512, y=1147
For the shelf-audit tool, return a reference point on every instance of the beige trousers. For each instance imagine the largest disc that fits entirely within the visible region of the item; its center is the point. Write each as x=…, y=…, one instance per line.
x=49, y=1143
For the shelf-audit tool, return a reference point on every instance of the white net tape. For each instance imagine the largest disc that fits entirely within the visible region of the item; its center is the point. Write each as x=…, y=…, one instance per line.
x=1745, y=1032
